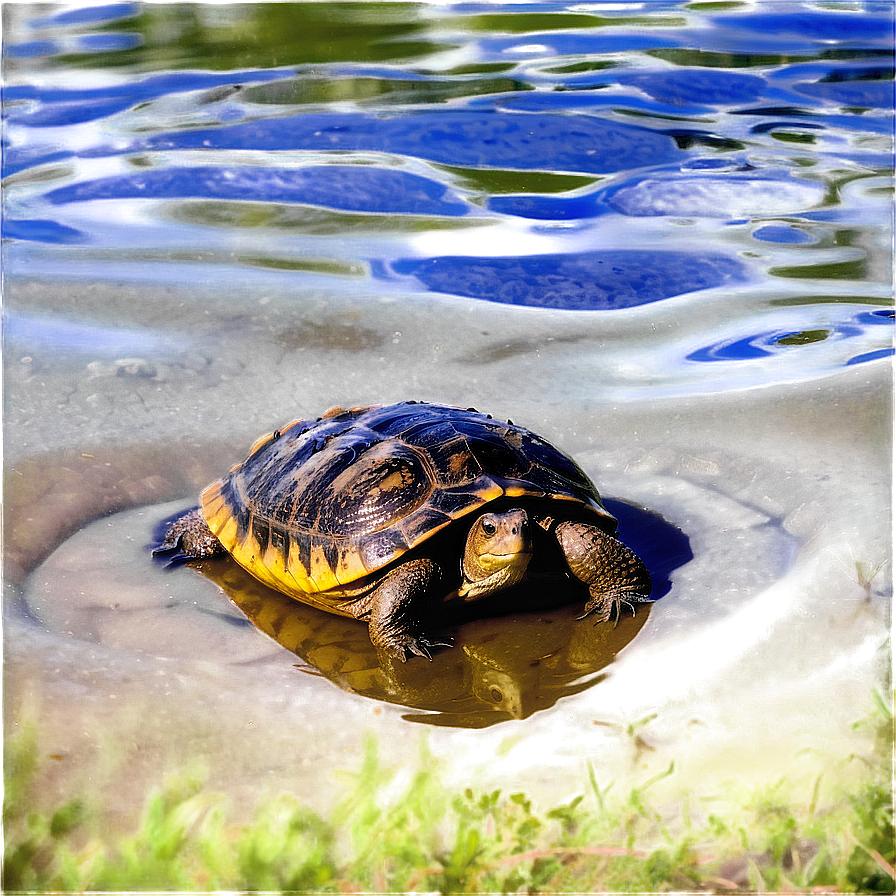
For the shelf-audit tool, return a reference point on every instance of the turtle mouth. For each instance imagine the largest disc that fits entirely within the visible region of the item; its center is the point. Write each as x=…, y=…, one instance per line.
x=505, y=560
x=509, y=554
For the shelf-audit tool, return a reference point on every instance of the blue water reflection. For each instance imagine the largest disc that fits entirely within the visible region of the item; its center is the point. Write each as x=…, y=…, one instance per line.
x=568, y=148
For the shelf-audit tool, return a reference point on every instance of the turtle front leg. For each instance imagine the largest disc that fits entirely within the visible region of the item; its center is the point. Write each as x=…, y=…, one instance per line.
x=394, y=616
x=614, y=574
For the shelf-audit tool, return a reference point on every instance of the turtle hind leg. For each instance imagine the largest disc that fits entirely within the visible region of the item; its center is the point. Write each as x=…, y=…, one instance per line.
x=613, y=573
x=394, y=609
x=189, y=538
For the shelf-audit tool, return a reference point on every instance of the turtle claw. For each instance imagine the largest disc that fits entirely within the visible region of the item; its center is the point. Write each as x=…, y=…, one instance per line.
x=424, y=647
x=448, y=642
x=609, y=606
x=421, y=648
x=410, y=646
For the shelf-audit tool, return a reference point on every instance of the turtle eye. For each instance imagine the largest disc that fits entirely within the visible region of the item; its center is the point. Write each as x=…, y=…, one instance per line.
x=489, y=527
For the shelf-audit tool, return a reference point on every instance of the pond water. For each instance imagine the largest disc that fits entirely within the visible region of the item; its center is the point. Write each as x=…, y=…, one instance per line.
x=656, y=233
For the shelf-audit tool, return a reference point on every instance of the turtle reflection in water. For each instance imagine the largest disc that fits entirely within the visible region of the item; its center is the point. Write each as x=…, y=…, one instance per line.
x=501, y=668
x=384, y=513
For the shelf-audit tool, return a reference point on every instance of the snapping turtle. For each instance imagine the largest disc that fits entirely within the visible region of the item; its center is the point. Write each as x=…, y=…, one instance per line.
x=383, y=513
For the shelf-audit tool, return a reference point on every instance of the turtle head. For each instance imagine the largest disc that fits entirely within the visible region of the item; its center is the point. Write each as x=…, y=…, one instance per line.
x=497, y=552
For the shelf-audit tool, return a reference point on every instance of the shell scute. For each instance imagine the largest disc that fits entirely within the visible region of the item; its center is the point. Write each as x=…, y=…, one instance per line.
x=558, y=469
x=455, y=503
x=421, y=525
x=321, y=570
x=400, y=420
x=453, y=462
x=499, y=459
x=380, y=548
x=381, y=486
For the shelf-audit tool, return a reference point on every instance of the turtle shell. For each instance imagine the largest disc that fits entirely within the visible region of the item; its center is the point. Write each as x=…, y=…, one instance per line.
x=320, y=506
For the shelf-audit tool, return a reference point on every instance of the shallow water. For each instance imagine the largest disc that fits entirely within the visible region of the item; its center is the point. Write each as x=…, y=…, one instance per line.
x=657, y=235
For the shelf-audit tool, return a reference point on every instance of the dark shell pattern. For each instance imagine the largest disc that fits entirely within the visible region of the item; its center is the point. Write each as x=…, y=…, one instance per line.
x=366, y=485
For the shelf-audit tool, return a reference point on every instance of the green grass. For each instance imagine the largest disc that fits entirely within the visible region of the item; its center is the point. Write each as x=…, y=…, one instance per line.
x=778, y=837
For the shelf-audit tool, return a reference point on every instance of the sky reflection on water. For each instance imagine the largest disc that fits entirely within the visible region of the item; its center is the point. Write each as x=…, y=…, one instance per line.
x=763, y=120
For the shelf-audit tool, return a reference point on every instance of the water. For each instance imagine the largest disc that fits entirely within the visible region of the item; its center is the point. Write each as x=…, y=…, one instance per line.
x=595, y=161
x=658, y=234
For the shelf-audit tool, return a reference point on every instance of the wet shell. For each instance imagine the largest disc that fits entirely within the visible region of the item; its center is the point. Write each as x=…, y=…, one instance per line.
x=320, y=506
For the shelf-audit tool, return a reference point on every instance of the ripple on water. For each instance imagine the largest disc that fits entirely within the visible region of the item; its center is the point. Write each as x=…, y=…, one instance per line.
x=454, y=137
x=784, y=233
x=873, y=92
x=92, y=15
x=502, y=158
x=716, y=196
x=700, y=87
x=588, y=281
x=754, y=351
x=331, y=186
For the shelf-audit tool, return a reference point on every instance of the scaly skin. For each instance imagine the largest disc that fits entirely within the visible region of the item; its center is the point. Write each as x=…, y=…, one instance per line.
x=614, y=574
x=393, y=620
x=190, y=536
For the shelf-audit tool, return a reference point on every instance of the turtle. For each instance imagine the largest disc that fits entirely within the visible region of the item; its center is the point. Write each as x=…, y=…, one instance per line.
x=384, y=513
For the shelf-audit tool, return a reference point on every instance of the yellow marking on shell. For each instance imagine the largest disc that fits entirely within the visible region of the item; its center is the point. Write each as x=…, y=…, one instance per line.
x=218, y=515
x=321, y=574
x=399, y=479
x=229, y=534
x=213, y=505
x=458, y=461
x=244, y=553
x=349, y=567
x=572, y=499
x=249, y=555
x=519, y=491
x=489, y=491
x=273, y=561
x=297, y=572
x=211, y=496
x=290, y=577
x=292, y=587
x=259, y=443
